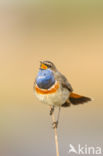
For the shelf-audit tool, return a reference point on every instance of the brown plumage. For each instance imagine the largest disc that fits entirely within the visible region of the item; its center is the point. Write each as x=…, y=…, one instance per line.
x=76, y=99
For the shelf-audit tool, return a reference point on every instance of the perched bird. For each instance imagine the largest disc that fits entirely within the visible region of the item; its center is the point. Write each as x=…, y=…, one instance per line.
x=52, y=88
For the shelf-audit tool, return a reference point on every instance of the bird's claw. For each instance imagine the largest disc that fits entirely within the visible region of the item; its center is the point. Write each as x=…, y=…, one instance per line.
x=55, y=124
x=51, y=110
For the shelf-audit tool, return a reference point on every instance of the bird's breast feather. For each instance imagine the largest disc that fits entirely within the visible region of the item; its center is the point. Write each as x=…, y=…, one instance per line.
x=53, y=89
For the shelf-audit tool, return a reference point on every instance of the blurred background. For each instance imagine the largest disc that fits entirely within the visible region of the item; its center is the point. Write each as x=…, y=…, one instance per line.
x=69, y=33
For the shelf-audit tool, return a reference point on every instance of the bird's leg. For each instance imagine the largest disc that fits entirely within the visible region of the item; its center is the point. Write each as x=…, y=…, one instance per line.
x=55, y=124
x=51, y=110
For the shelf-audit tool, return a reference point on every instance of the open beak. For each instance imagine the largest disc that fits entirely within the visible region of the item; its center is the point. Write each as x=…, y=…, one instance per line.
x=43, y=66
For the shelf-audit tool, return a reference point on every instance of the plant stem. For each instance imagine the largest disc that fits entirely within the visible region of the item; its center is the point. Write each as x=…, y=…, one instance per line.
x=56, y=136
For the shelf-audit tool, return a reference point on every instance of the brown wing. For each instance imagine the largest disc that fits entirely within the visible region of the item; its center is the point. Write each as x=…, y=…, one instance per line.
x=64, y=82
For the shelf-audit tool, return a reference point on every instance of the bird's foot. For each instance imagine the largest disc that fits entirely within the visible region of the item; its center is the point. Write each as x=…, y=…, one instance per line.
x=51, y=110
x=55, y=124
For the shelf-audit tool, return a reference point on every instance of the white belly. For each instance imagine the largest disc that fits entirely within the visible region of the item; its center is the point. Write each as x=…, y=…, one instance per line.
x=58, y=98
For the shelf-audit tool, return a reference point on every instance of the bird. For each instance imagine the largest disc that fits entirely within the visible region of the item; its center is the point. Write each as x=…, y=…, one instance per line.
x=52, y=88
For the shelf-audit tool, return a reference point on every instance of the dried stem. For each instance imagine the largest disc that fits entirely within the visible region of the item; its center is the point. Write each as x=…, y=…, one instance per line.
x=56, y=136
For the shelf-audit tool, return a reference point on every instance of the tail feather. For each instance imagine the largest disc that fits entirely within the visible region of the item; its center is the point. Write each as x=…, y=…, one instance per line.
x=76, y=99
x=66, y=104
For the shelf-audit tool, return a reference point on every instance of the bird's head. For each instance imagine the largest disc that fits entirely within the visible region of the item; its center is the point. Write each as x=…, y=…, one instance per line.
x=47, y=65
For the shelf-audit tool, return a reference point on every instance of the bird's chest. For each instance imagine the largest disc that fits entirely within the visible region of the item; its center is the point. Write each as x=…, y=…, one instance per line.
x=56, y=95
x=45, y=79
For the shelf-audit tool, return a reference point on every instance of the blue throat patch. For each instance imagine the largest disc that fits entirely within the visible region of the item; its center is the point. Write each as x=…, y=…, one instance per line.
x=45, y=79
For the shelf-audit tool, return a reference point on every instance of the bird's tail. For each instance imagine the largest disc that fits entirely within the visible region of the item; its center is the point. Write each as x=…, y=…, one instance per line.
x=76, y=99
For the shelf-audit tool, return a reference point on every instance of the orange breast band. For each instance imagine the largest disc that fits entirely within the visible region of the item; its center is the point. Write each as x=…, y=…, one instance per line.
x=47, y=91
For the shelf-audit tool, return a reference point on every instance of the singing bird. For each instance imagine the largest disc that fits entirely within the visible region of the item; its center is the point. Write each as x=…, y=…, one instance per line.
x=52, y=88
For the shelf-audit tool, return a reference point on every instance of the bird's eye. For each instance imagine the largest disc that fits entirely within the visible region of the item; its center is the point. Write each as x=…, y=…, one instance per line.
x=49, y=66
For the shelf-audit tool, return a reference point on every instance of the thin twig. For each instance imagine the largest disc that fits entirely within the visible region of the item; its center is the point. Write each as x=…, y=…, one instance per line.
x=56, y=136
